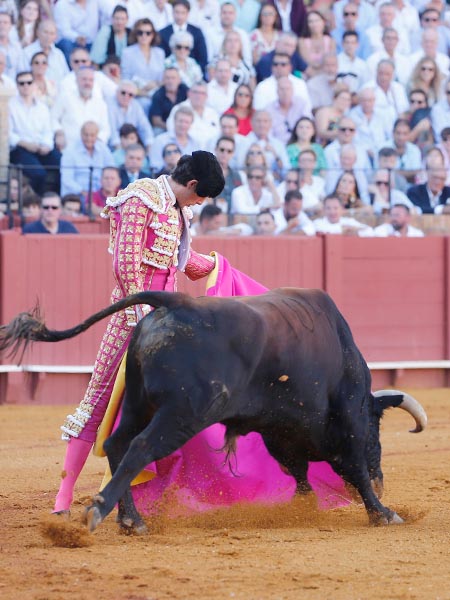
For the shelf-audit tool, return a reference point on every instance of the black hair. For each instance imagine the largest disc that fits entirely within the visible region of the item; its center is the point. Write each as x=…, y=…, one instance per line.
x=204, y=167
x=293, y=195
x=209, y=211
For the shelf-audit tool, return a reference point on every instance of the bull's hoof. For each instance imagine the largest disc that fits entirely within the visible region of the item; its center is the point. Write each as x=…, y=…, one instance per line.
x=92, y=518
x=129, y=526
x=392, y=518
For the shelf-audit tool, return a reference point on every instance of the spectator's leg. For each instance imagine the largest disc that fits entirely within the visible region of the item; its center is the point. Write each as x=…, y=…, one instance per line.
x=52, y=181
x=33, y=168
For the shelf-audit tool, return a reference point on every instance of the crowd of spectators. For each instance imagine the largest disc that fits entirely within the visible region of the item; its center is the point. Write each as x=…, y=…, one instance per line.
x=325, y=116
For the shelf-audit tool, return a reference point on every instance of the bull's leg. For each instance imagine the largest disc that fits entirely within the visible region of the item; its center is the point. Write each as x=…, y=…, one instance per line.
x=163, y=435
x=289, y=457
x=353, y=469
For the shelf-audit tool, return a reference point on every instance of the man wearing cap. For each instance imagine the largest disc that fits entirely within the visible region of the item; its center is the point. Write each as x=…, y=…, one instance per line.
x=149, y=242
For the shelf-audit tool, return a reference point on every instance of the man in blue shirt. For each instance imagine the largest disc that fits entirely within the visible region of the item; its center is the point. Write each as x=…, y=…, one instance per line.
x=50, y=221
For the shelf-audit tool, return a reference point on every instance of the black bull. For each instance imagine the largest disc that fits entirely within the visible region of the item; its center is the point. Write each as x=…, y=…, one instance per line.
x=283, y=364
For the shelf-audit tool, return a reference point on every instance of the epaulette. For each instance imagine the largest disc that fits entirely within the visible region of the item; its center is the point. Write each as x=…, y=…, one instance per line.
x=146, y=190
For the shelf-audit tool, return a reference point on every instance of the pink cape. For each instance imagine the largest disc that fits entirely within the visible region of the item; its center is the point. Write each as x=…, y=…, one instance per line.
x=195, y=477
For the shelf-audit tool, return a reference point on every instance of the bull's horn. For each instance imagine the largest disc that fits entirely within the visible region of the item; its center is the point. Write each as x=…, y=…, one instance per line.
x=411, y=405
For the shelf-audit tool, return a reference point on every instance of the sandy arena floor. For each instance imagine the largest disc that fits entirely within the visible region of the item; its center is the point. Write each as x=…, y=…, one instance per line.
x=251, y=553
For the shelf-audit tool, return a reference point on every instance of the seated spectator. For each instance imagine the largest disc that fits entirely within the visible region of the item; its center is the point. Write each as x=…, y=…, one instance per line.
x=430, y=18
x=429, y=49
x=350, y=66
x=327, y=117
x=124, y=108
x=347, y=192
x=224, y=151
x=181, y=44
x=265, y=223
x=14, y=195
x=6, y=83
x=426, y=77
x=80, y=59
x=131, y=170
x=31, y=206
x=46, y=38
x=170, y=94
x=383, y=194
x=440, y=112
x=28, y=22
x=31, y=136
x=290, y=217
x=315, y=43
x=71, y=206
x=352, y=16
x=432, y=196
x=390, y=51
x=387, y=159
x=143, y=62
x=109, y=186
x=233, y=51
x=50, y=221
x=128, y=134
x=290, y=182
x=242, y=108
x=311, y=186
x=266, y=91
x=258, y=193
x=323, y=86
x=285, y=111
x=264, y=37
x=171, y=155
x=419, y=120
x=255, y=157
x=409, y=159
x=182, y=122
x=112, y=39
x=210, y=221
x=303, y=138
x=433, y=158
x=275, y=151
x=45, y=89
x=77, y=23
x=334, y=221
x=222, y=90
x=372, y=128
x=346, y=134
x=181, y=11
x=399, y=224
x=216, y=36
x=82, y=162
x=72, y=110
x=286, y=44
x=348, y=160
x=12, y=50
x=205, y=125
x=387, y=14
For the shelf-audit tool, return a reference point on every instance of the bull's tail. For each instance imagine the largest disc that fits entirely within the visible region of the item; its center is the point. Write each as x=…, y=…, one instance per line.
x=29, y=326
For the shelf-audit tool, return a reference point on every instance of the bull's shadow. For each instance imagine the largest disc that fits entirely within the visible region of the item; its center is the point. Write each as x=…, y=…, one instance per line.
x=283, y=364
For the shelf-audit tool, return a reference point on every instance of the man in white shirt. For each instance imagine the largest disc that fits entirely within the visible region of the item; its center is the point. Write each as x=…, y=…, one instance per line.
x=351, y=67
x=366, y=13
x=266, y=91
x=77, y=22
x=334, y=222
x=290, y=218
x=346, y=135
x=80, y=58
x=429, y=48
x=372, y=128
x=399, y=224
x=440, y=113
x=390, y=96
x=215, y=35
x=180, y=136
x=387, y=13
x=31, y=134
x=285, y=111
x=72, y=110
x=206, y=120
x=124, y=108
x=46, y=38
x=390, y=51
x=221, y=88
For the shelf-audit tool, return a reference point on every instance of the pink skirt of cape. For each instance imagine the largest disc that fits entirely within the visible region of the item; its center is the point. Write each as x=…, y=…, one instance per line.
x=197, y=478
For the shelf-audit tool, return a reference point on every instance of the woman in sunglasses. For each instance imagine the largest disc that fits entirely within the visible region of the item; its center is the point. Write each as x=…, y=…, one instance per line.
x=143, y=61
x=181, y=44
x=426, y=76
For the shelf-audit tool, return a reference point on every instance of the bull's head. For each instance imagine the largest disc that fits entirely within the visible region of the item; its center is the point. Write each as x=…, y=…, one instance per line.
x=381, y=400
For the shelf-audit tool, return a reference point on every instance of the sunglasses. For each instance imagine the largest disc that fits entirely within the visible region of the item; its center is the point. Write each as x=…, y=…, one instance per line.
x=280, y=64
x=144, y=32
x=125, y=93
x=382, y=183
x=344, y=129
x=181, y=47
x=78, y=61
x=27, y=82
x=174, y=151
x=430, y=20
x=40, y=62
x=50, y=207
x=350, y=14
x=227, y=150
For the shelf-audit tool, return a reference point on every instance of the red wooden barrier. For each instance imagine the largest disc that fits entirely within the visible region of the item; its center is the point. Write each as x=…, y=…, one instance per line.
x=394, y=293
